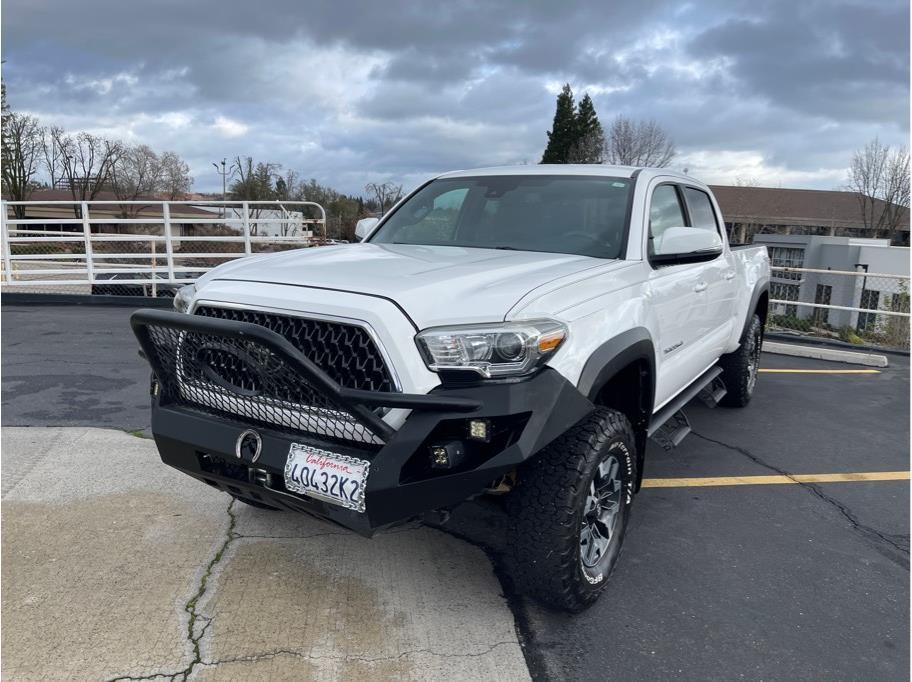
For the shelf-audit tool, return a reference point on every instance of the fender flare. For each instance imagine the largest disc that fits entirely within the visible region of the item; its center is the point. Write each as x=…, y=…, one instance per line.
x=613, y=356
x=759, y=290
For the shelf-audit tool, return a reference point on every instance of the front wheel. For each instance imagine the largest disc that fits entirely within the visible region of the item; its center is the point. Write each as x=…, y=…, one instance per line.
x=739, y=369
x=569, y=512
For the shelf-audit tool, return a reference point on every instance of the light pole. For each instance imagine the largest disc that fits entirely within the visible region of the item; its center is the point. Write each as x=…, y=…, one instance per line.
x=224, y=172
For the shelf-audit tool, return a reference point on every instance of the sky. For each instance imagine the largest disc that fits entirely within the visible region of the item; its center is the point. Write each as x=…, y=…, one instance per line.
x=778, y=93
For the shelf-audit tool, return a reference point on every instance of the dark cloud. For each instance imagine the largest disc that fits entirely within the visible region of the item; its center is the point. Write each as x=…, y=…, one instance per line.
x=834, y=60
x=352, y=91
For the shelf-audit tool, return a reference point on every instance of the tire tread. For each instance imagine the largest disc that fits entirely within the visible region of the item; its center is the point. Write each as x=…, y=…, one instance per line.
x=544, y=533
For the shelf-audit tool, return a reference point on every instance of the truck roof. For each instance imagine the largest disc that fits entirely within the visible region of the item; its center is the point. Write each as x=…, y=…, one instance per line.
x=567, y=169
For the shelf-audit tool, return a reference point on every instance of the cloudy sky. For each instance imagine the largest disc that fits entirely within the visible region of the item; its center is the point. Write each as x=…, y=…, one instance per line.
x=347, y=92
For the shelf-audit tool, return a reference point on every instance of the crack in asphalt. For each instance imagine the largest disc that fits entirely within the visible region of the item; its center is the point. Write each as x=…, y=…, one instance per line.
x=190, y=608
x=862, y=529
x=194, y=617
x=361, y=659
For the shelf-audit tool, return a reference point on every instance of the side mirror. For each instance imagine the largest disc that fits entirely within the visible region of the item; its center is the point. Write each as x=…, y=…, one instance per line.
x=364, y=226
x=684, y=244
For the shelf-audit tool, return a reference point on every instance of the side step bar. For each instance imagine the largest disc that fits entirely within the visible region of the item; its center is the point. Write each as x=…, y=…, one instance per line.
x=669, y=426
x=713, y=393
x=670, y=434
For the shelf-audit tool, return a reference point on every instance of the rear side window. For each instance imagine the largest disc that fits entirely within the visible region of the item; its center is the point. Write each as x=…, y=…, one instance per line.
x=701, y=210
x=665, y=211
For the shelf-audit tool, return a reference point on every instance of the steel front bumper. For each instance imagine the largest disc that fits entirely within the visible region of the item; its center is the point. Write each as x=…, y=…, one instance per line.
x=524, y=416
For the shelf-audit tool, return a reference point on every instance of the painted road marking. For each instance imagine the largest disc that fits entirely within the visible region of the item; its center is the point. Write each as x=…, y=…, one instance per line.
x=821, y=371
x=775, y=479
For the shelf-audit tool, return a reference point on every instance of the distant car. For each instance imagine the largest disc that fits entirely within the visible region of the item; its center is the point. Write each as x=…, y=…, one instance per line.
x=165, y=289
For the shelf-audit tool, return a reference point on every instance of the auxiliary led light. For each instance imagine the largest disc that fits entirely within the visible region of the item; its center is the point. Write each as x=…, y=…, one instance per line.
x=480, y=429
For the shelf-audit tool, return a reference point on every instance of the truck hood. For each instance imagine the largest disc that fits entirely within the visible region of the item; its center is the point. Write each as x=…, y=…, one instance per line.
x=434, y=285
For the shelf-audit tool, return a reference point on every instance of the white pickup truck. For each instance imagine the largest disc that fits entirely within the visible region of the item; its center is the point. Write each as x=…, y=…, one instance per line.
x=517, y=331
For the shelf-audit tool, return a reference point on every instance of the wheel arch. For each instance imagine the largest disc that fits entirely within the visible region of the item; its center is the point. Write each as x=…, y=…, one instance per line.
x=759, y=305
x=621, y=374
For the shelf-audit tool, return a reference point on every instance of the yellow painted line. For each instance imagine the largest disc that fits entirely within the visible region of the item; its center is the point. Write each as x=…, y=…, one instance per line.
x=775, y=479
x=821, y=371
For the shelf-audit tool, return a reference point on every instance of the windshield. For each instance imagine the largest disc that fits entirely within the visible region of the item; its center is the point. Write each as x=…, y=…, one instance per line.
x=582, y=215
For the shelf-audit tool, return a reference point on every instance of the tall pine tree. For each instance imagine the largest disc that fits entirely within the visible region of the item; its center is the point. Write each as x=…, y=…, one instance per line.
x=588, y=147
x=564, y=130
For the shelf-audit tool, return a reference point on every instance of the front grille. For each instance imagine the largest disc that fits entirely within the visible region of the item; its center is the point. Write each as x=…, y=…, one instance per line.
x=235, y=376
x=346, y=352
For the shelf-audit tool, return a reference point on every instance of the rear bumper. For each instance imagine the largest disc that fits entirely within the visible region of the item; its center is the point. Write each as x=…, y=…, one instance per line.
x=525, y=416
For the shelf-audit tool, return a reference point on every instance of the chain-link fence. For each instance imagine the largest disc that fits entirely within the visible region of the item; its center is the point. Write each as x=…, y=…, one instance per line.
x=855, y=307
x=141, y=248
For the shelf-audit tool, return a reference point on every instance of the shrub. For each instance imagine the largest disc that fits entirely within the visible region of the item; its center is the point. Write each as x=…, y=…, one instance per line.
x=791, y=322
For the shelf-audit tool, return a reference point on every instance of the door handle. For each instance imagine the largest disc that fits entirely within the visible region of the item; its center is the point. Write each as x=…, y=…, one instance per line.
x=730, y=274
x=700, y=286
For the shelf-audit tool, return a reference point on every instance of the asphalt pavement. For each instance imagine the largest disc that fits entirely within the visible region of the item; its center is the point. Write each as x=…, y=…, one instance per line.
x=802, y=580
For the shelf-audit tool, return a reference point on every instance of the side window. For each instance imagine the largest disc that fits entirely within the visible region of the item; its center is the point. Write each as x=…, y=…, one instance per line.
x=665, y=211
x=701, y=210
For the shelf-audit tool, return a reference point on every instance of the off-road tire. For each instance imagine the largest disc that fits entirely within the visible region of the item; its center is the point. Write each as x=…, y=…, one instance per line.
x=739, y=369
x=254, y=503
x=547, y=511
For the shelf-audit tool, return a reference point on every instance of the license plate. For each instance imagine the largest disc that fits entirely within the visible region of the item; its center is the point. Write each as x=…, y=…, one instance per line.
x=328, y=476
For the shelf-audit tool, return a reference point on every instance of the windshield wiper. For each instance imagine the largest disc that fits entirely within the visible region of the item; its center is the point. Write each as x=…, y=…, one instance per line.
x=505, y=248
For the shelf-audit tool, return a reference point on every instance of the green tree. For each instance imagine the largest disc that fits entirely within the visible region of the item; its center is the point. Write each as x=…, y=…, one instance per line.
x=589, y=146
x=256, y=182
x=564, y=130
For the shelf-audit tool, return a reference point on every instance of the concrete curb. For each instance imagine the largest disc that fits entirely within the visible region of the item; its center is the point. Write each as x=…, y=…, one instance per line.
x=831, y=354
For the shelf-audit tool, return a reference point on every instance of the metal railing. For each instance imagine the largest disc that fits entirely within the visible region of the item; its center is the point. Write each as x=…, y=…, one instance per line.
x=141, y=247
x=851, y=306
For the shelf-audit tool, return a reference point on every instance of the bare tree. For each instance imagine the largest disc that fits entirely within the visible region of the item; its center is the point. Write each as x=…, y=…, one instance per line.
x=747, y=181
x=386, y=194
x=135, y=173
x=588, y=149
x=880, y=178
x=87, y=163
x=638, y=143
x=176, y=181
x=21, y=154
x=53, y=154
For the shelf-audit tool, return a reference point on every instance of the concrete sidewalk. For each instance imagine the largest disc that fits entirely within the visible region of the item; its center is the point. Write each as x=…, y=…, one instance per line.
x=115, y=565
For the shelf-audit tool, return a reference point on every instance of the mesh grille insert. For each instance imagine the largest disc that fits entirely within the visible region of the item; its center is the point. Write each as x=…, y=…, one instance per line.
x=346, y=352
x=241, y=377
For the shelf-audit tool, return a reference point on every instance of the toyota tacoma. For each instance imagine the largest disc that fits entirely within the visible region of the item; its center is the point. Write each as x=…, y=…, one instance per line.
x=519, y=331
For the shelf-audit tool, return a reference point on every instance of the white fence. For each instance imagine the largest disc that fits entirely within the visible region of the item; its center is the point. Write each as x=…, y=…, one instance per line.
x=150, y=248
x=855, y=306
x=145, y=247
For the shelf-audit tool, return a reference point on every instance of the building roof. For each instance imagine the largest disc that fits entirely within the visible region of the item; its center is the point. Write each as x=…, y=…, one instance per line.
x=778, y=206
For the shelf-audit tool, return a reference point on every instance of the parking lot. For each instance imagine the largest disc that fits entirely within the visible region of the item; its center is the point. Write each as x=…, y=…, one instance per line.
x=113, y=565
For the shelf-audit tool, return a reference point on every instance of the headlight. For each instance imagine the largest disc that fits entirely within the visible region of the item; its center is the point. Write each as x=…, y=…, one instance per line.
x=496, y=350
x=184, y=297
